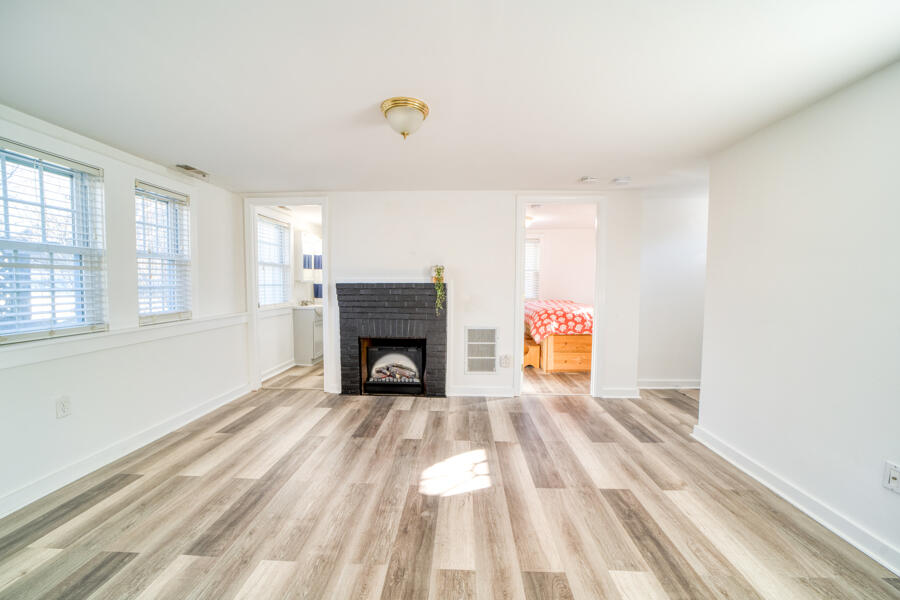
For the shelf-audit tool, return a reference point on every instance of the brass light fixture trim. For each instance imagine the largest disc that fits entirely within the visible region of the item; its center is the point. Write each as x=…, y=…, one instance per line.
x=404, y=101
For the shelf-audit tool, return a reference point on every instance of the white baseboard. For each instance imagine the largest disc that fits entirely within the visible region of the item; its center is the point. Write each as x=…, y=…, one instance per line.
x=843, y=526
x=312, y=364
x=49, y=483
x=499, y=391
x=277, y=369
x=632, y=392
x=669, y=384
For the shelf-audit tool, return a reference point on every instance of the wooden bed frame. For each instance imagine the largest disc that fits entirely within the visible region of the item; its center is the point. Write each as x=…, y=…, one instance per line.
x=566, y=353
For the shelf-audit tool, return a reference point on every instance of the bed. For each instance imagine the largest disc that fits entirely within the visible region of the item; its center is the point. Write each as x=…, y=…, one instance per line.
x=563, y=329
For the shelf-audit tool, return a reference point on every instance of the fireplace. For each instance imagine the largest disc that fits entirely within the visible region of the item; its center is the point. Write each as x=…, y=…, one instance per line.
x=399, y=316
x=391, y=366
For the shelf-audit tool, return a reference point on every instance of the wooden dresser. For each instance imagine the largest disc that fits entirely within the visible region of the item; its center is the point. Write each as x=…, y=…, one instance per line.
x=566, y=353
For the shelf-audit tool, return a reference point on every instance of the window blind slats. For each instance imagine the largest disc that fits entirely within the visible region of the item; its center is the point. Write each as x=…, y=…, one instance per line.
x=52, y=254
x=274, y=263
x=532, y=268
x=163, y=228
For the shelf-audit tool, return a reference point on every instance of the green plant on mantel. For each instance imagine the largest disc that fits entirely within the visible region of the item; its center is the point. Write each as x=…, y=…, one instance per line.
x=440, y=292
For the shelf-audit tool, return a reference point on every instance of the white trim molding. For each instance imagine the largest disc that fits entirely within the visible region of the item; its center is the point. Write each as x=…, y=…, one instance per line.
x=497, y=391
x=66, y=475
x=844, y=527
x=278, y=369
x=26, y=353
x=669, y=384
x=626, y=392
x=282, y=310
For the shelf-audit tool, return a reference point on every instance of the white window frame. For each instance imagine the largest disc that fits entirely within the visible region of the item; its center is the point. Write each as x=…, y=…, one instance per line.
x=88, y=235
x=287, y=267
x=179, y=261
x=534, y=240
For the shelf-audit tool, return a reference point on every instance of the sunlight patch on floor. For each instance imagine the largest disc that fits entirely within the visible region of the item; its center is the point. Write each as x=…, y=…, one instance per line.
x=458, y=474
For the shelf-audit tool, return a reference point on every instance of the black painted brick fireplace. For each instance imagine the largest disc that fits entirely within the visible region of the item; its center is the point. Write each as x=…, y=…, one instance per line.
x=391, y=310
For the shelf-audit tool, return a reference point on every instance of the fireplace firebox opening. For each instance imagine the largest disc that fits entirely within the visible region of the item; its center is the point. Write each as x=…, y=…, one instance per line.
x=392, y=366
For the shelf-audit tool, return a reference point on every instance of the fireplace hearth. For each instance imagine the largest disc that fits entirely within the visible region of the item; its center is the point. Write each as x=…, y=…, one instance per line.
x=392, y=318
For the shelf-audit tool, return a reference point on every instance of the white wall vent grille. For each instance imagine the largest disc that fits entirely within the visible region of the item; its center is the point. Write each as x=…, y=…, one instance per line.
x=481, y=349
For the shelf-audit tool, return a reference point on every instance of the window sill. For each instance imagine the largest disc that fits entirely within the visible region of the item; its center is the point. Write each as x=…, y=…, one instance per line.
x=159, y=319
x=52, y=334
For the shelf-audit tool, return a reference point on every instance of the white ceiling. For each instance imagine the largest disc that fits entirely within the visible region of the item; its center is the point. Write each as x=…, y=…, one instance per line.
x=278, y=95
x=560, y=216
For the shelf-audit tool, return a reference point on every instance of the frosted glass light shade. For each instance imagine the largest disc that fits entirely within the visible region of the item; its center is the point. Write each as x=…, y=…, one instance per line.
x=404, y=115
x=404, y=119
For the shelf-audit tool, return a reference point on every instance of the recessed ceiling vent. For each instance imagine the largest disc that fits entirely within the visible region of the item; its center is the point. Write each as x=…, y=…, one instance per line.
x=194, y=172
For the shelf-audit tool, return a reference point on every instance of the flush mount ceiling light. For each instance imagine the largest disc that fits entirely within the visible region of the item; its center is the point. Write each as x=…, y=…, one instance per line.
x=589, y=179
x=404, y=115
x=623, y=180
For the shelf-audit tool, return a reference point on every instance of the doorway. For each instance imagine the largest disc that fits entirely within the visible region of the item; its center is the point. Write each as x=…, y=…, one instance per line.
x=558, y=287
x=287, y=263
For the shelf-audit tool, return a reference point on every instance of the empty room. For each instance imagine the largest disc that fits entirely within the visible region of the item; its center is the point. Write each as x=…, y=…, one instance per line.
x=449, y=300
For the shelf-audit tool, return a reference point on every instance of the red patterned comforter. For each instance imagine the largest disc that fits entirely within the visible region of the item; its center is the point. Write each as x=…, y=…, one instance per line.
x=557, y=317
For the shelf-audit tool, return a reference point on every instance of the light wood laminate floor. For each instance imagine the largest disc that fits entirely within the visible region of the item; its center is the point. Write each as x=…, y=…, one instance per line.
x=299, y=378
x=537, y=381
x=300, y=494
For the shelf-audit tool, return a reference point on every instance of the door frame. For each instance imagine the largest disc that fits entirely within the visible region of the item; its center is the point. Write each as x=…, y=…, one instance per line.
x=251, y=203
x=597, y=346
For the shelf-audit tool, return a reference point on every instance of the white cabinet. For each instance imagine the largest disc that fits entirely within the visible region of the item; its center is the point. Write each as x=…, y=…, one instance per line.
x=307, y=335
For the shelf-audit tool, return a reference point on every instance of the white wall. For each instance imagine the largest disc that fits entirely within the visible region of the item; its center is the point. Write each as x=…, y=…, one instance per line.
x=673, y=270
x=302, y=223
x=617, y=317
x=398, y=236
x=802, y=333
x=131, y=384
x=275, y=339
x=568, y=258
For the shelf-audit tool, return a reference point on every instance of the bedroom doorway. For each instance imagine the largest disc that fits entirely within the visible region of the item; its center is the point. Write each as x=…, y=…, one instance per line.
x=557, y=276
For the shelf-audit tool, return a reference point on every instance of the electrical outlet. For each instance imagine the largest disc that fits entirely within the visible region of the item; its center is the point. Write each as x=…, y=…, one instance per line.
x=63, y=407
x=891, y=476
x=505, y=361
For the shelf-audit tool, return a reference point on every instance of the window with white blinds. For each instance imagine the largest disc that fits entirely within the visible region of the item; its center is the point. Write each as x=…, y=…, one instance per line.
x=163, y=227
x=52, y=256
x=273, y=240
x=532, y=268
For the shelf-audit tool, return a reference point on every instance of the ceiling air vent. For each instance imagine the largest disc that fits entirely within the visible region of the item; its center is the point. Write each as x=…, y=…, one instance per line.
x=194, y=172
x=481, y=349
